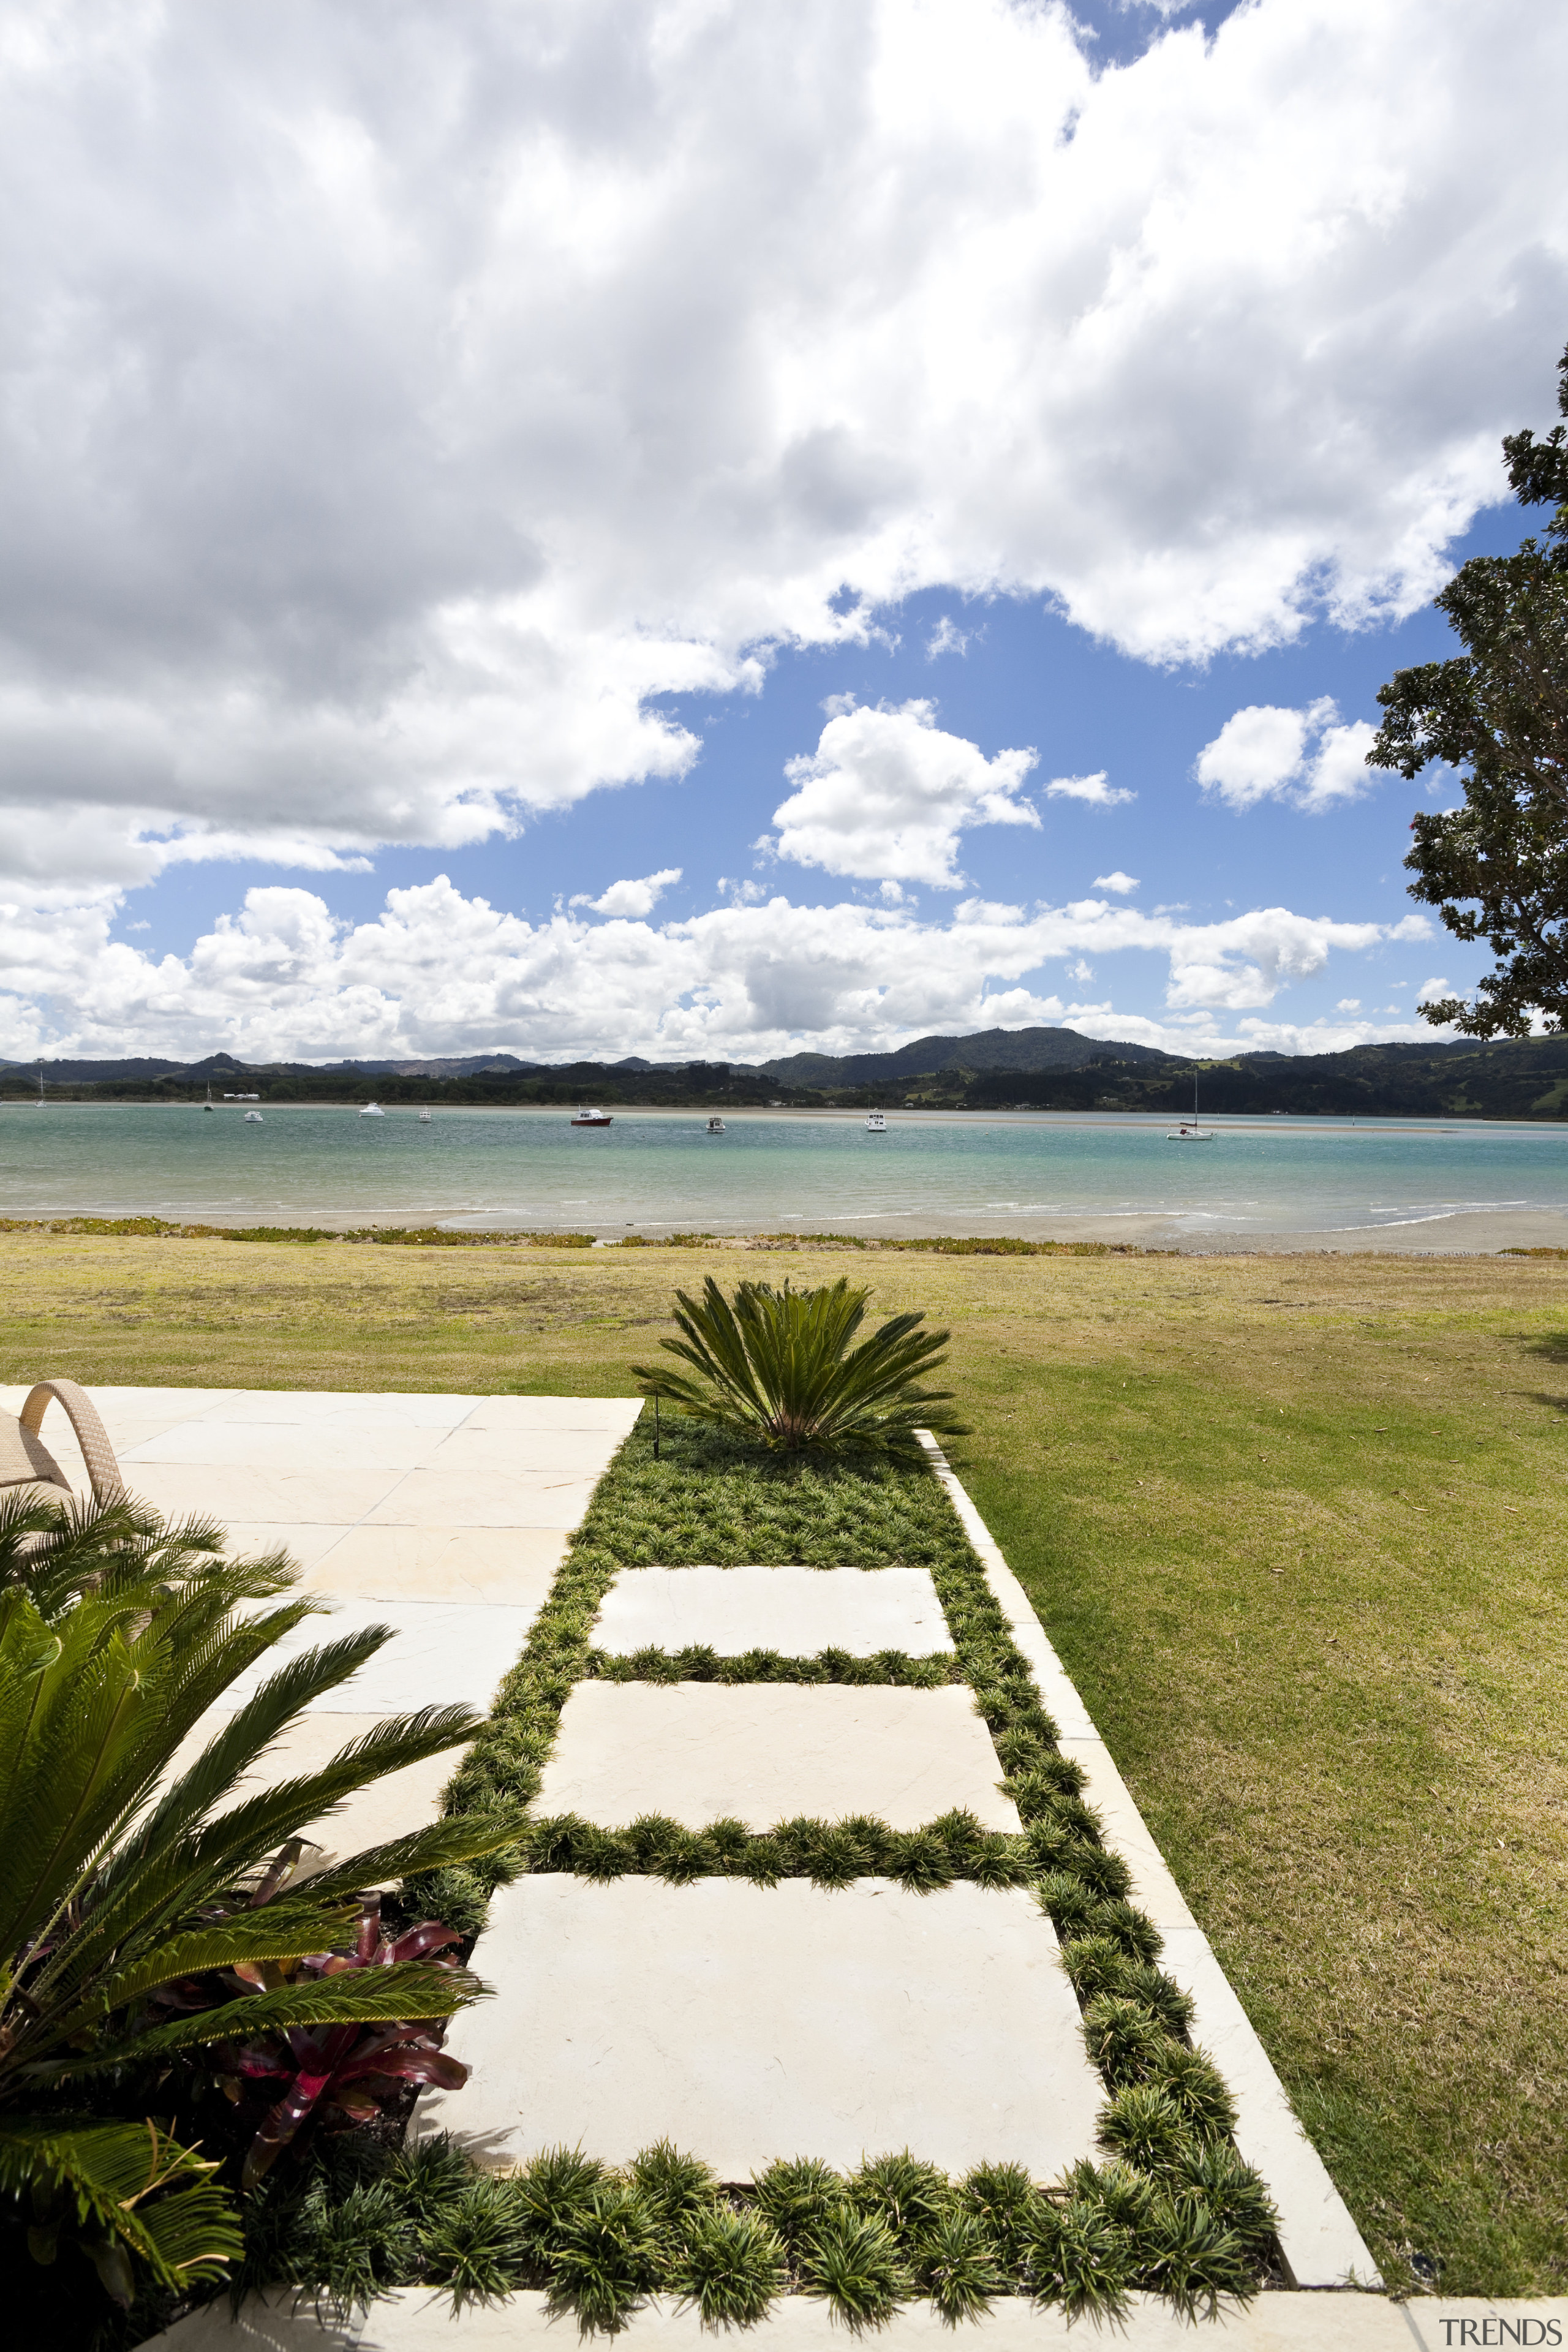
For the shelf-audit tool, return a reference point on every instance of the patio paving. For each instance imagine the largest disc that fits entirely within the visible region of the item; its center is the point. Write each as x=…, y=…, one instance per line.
x=753, y=2023
x=746, y=2022
x=799, y=1611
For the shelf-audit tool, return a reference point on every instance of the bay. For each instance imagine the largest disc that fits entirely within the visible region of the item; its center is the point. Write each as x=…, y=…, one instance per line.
x=661, y=1171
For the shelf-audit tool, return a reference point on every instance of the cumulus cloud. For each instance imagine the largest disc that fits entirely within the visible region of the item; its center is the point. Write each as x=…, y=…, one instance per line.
x=887, y=794
x=437, y=971
x=1305, y=757
x=946, y=638
x=1119, y=882
x=633, y=898
x=1097, y=790
x=398, y=403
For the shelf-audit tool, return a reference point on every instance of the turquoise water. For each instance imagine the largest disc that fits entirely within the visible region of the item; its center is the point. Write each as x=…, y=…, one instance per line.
x=981, y=1174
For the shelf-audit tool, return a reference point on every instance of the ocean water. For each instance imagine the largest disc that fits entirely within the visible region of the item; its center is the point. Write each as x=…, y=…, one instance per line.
x=660, y=1170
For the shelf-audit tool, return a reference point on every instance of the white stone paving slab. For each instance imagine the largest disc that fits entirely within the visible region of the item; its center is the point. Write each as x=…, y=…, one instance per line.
x=798, y=1611
x=338, y=1444
x=416, y=2319
x=764, y=1752
x=482, y=1498
x=511, y=1564
x=442, y=1653
x=612, y=1417
x=281, y=1498
x=304, y=1541
x=562, y=1453
x=313, y=1408
x=751, y=2023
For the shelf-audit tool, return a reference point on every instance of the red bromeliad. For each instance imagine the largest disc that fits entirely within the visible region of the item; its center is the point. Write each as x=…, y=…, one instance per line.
x=337, y=2073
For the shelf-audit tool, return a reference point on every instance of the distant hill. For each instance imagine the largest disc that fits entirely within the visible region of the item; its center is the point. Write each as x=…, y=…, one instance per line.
x=1029, y=1050
x=1025, y=1069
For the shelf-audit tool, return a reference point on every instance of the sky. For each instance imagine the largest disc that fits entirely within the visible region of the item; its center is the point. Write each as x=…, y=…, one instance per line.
x=690, y=530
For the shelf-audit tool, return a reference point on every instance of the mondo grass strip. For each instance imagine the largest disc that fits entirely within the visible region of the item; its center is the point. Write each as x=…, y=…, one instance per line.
x=358, y=2220
x=828, y=1854
x=705, y=1497
x=698, y=1664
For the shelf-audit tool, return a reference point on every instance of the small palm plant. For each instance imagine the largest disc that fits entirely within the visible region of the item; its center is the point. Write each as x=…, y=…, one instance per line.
x=118, y=1874
x=777, y=1365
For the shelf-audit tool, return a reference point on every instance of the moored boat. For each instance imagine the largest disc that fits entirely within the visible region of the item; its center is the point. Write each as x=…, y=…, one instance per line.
x=587, y=1117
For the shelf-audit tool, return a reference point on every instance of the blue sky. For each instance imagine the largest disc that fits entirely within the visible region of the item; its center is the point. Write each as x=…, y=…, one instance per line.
x=466, y=478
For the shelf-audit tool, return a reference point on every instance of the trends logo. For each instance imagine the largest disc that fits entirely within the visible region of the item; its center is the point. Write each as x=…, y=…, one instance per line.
x=1500, y=2331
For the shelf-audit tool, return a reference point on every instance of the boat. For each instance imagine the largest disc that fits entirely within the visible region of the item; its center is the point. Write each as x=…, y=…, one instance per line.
x=372, y=1111
x=876, y=1122
x=254, y=1118
x=587, y=1117
x=1189, y=1130
x=209, y=1104
x=425, y=1116
x=715, y=1126
x=39, y=1103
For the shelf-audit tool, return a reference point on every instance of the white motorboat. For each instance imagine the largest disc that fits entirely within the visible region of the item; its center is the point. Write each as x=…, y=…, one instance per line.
x=876, y=1122
x=715, y=1126
x=1189, y=1130
x=254, y=1118
x=425, y=1116
x=587, y=1117
x=372, y=1111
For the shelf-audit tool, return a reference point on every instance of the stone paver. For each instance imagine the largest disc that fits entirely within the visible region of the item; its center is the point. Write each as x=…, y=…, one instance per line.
x=753, y=2023
x=762, y=1752
x=800, y=1612
x=413, y=2319
x=442, y=1653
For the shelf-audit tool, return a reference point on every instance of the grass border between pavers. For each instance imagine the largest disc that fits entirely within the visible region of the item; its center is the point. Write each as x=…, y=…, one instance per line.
x=1173, y=2178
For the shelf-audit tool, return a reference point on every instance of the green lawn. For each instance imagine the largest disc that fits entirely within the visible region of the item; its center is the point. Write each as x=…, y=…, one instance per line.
x=1293, y=1524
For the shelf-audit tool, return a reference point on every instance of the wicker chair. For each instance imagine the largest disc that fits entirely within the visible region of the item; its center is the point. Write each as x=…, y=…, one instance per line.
x=26, y=1460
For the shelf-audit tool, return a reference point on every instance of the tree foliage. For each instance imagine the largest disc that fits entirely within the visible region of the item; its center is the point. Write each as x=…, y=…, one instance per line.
x=1496, y=867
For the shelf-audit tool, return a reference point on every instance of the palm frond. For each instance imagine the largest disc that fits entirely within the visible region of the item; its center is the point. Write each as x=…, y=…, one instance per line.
x=408, y=1989
x=777, y=1365
x=134, y=2183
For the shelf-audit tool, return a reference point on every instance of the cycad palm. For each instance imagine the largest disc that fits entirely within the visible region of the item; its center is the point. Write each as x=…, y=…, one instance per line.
x=778, y=1366
x=113, y=1877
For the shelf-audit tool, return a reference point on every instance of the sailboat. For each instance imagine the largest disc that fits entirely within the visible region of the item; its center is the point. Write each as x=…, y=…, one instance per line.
x=1190, y=1132
x=39, y=1103
x=209, y=1104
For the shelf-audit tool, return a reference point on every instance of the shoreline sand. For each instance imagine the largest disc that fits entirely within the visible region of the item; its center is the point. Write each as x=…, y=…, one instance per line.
x=1459, y=1234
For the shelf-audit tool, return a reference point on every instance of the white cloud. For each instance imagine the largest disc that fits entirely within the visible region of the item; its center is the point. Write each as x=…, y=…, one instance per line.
x=887, y=794
x=1097, y=790
x=439, y=972
x=1119, y=882
x=634, y=899
x=946, y=638
x=1265, y=752
x=1348, y=1005
x=396, y=403
x=1433, y=988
